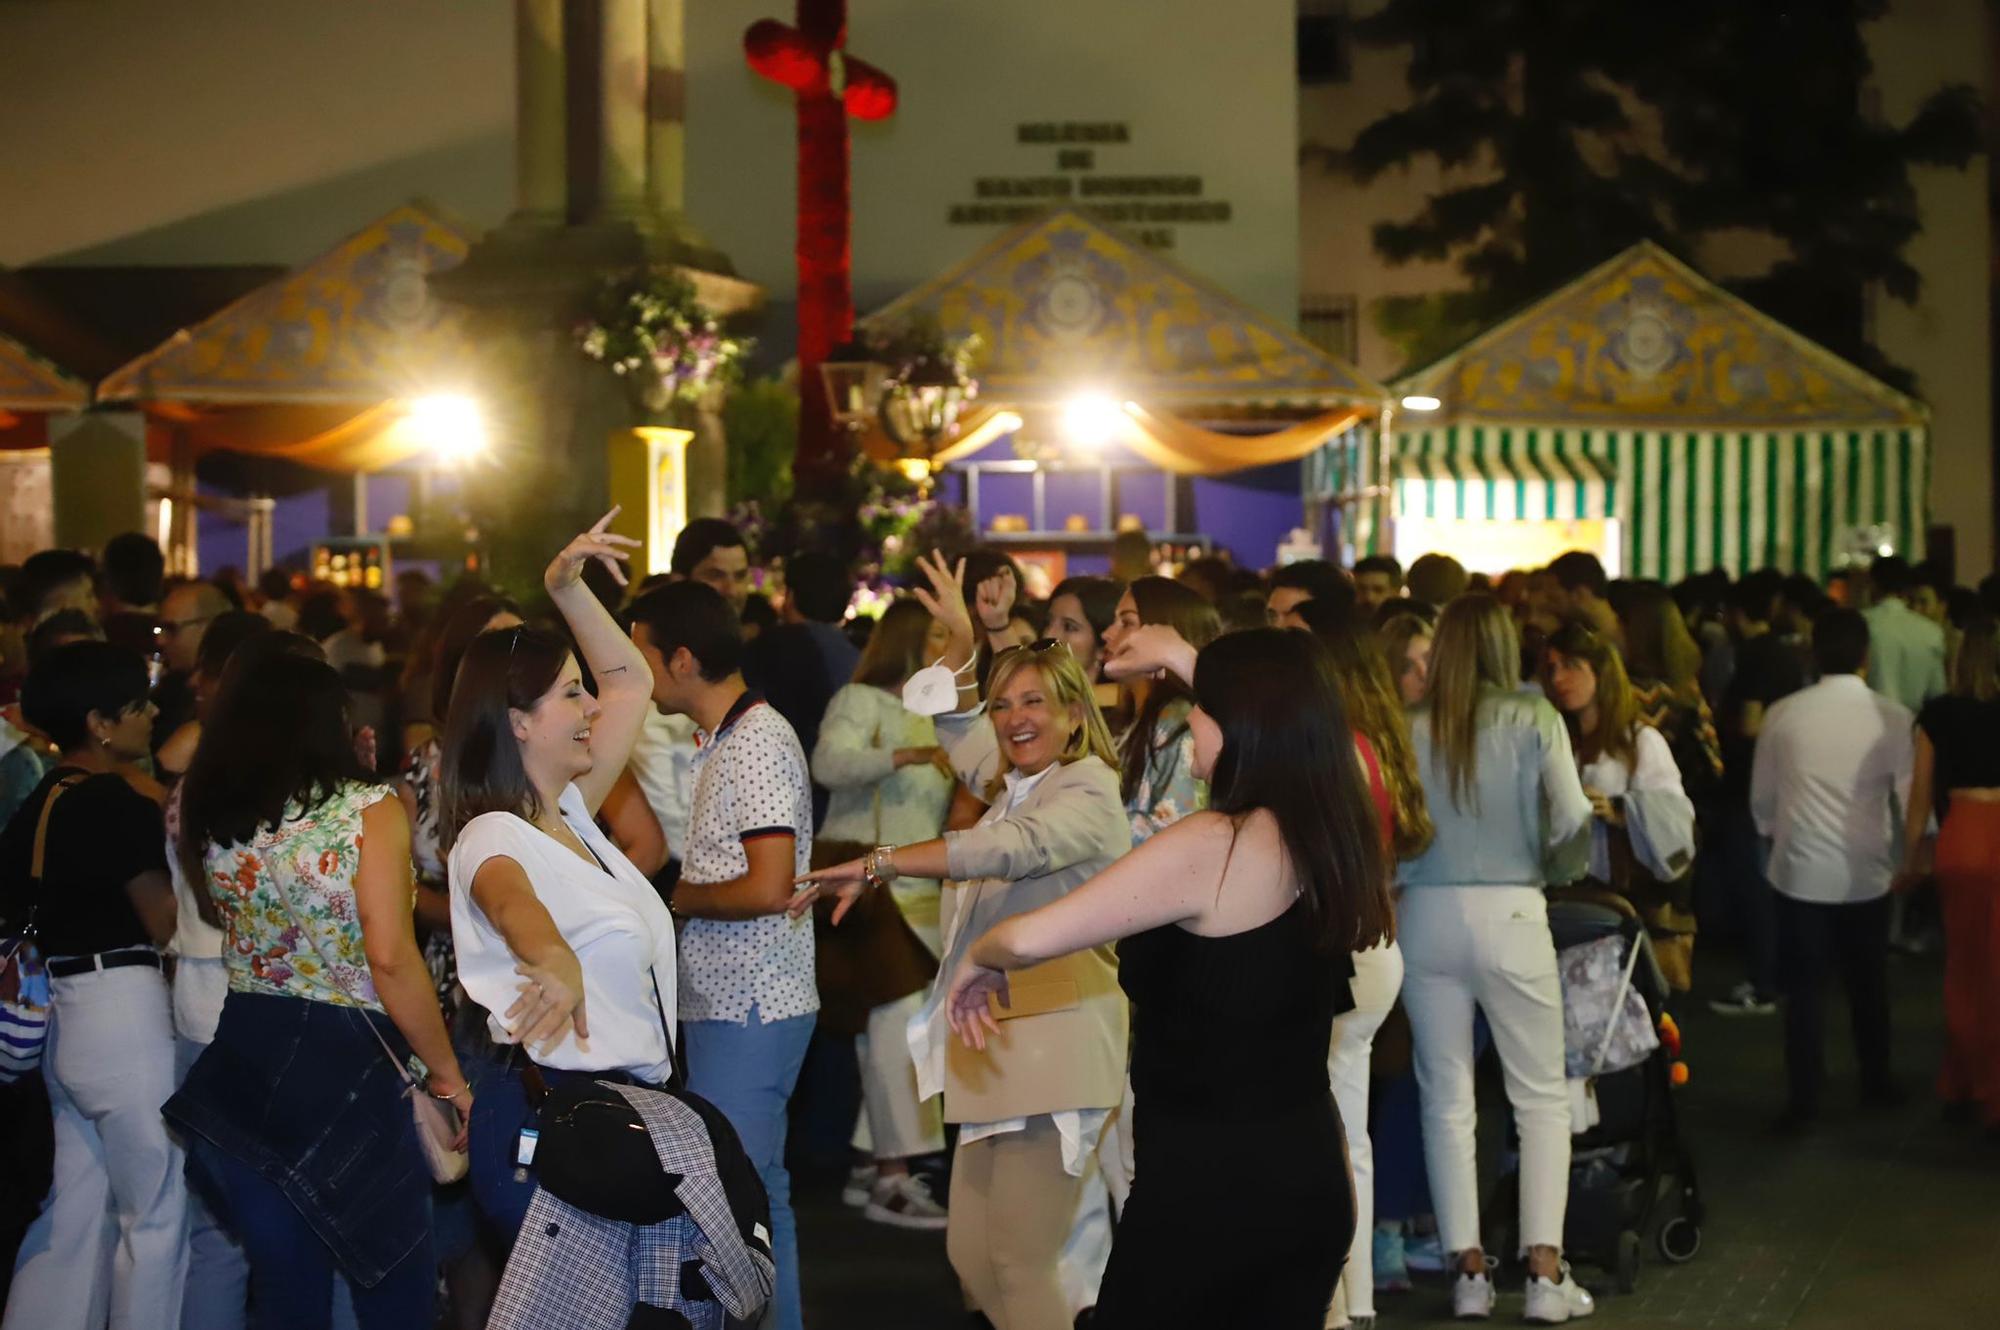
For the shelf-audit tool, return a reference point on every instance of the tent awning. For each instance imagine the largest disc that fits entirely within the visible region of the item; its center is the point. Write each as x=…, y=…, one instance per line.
x=1533, y=483
x=1643, y=341
x=1063, y=305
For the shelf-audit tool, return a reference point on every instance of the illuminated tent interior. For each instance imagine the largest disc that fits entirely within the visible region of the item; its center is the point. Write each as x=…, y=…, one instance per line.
x=1647, y=413
x=1116, y=388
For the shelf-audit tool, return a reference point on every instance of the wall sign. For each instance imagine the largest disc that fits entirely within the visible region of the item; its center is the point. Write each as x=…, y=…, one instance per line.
x=1084, y=171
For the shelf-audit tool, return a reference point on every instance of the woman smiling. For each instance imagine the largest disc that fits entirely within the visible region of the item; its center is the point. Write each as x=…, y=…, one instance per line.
x=1032, y=1102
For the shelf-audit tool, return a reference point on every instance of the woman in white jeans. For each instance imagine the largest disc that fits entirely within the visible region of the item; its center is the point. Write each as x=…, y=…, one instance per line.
x=1375, y=710
x=882, y=764
x=111, y=1241
x=1504, y=795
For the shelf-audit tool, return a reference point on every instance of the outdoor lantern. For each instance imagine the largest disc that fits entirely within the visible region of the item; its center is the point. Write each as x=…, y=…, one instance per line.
x=853, y=379
x=922, y=404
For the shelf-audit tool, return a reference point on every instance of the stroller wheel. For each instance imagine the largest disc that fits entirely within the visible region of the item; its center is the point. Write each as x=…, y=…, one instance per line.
x=1628, y=1261
x=1680, y=1240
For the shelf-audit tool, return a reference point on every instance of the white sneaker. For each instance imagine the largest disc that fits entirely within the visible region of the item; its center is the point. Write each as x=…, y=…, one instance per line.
x=1471, y=1297
x=906, y=1202
x=860, y=1186
x=1553, y=1301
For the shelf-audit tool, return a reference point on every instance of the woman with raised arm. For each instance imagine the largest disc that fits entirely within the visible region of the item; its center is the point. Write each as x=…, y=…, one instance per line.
x=1237, y=924
x=1031, y=1104
x=536, y=888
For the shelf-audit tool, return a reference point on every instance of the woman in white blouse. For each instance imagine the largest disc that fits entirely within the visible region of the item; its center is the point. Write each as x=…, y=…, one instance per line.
x=889, y=786
x=537, y=890
x=1642, y=834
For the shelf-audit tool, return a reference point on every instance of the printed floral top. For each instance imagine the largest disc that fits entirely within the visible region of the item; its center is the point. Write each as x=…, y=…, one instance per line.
x=1168, y=790
x=300, y=875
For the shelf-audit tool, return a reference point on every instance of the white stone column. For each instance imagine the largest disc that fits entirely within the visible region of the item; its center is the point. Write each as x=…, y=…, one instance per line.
x=623, y=58
x=540, y=152
x=666, y=106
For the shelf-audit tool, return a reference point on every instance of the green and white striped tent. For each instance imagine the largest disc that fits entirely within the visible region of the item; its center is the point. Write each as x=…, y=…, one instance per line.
x=1642, y=392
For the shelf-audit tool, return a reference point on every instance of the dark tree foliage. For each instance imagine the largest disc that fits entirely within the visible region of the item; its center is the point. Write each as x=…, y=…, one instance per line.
x=1572, y=128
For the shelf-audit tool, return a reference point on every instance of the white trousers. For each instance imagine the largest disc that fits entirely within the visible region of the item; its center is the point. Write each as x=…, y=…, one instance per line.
x=111, y=1244
x=1487, y=947
x=1378, y=976
x=895, y=1124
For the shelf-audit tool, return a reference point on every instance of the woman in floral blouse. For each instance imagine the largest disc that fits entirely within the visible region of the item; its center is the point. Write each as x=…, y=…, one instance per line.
x=1156, y=754
x=295, y=1114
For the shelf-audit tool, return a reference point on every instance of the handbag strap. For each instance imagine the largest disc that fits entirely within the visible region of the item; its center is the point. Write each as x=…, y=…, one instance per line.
x=38, y=858
x=402, y=1069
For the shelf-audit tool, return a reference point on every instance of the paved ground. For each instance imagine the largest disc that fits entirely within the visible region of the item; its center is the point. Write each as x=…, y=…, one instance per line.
x=1878, y=1221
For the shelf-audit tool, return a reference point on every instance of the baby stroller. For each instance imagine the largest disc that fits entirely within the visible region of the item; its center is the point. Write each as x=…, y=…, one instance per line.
x=1630, y=1175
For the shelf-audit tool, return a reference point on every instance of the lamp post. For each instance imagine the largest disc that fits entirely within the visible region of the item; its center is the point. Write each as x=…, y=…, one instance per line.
x=917, y=403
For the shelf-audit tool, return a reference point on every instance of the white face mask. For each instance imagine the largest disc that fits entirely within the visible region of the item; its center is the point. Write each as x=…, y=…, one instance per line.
x=933, y=690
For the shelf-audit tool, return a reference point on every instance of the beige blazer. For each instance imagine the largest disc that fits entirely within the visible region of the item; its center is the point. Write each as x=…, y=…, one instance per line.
x=1062, y=1037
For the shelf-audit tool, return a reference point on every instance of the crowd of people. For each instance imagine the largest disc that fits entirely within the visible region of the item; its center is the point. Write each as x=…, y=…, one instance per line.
x=1115, y=893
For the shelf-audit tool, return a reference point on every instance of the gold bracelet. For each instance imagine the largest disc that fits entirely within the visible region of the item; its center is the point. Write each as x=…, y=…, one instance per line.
x=447, y=1098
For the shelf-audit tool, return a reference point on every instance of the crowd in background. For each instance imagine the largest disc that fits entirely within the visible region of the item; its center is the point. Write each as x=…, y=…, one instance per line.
x=604, y=800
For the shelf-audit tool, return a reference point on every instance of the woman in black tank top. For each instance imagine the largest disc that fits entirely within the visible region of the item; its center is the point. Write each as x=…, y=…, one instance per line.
x=1239, y=926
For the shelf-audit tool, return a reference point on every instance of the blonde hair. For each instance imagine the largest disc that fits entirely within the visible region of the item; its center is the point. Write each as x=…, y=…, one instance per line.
x=1474, y=649
x=1063, y=677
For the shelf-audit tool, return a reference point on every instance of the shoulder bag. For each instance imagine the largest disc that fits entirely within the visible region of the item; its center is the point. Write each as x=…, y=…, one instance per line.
x=873, y=957
x=436, y=1120
x=24, y=980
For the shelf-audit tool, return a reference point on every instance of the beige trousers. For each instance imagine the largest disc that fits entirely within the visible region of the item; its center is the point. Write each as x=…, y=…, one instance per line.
x=1011, y=1206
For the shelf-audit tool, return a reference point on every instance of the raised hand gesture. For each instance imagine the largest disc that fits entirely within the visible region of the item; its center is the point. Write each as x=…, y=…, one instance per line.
x=607, y=547
x=946, y=598
x=993, y=601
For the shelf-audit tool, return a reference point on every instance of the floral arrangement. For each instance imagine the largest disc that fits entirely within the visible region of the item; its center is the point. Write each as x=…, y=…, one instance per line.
x=922, y=338
x=649, y=328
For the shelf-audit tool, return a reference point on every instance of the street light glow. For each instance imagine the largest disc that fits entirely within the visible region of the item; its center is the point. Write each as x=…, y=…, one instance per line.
x=1420, y=402
x=1092, y=419
x=450, y=424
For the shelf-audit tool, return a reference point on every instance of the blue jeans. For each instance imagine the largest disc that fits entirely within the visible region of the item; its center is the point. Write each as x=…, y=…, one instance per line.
x=748, y=1071
x=501, y=1188
x=293, y=1275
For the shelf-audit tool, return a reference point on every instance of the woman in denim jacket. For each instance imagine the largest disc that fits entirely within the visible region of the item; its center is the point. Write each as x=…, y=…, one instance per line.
x=296, y=1116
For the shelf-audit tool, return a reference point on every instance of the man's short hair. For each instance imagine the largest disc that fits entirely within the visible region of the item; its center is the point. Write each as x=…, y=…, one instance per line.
x=701, y=538
x=1840, y=642
x=61, y=627
x=1436, y=580
x=1319, y=579
x=1890, y=575
x=45, y=572
x=1380, y=563
x=1753, y=598
x=134, y=568
x=1580, y=569
x=819, y=586
x=275, y=583
x=692, y=615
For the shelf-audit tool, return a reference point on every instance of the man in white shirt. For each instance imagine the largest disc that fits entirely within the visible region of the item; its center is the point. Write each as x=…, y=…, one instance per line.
x=1905, y=648
x=748, y=994
x=1831, y=776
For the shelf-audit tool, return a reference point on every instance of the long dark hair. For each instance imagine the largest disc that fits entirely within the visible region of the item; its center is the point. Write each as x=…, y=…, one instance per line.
x=1287, y=747
x=507, y=669
x=467, y=621
x=1180, y=607
x=277, y=735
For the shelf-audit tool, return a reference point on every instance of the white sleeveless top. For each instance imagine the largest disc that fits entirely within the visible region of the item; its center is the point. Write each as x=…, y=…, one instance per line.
x=611, y=918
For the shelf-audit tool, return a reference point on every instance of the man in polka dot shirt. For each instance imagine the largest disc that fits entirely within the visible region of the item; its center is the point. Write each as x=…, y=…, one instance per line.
x=748, y=999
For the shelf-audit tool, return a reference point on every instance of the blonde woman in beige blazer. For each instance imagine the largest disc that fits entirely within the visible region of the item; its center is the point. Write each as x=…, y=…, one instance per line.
x=1030, y=1105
